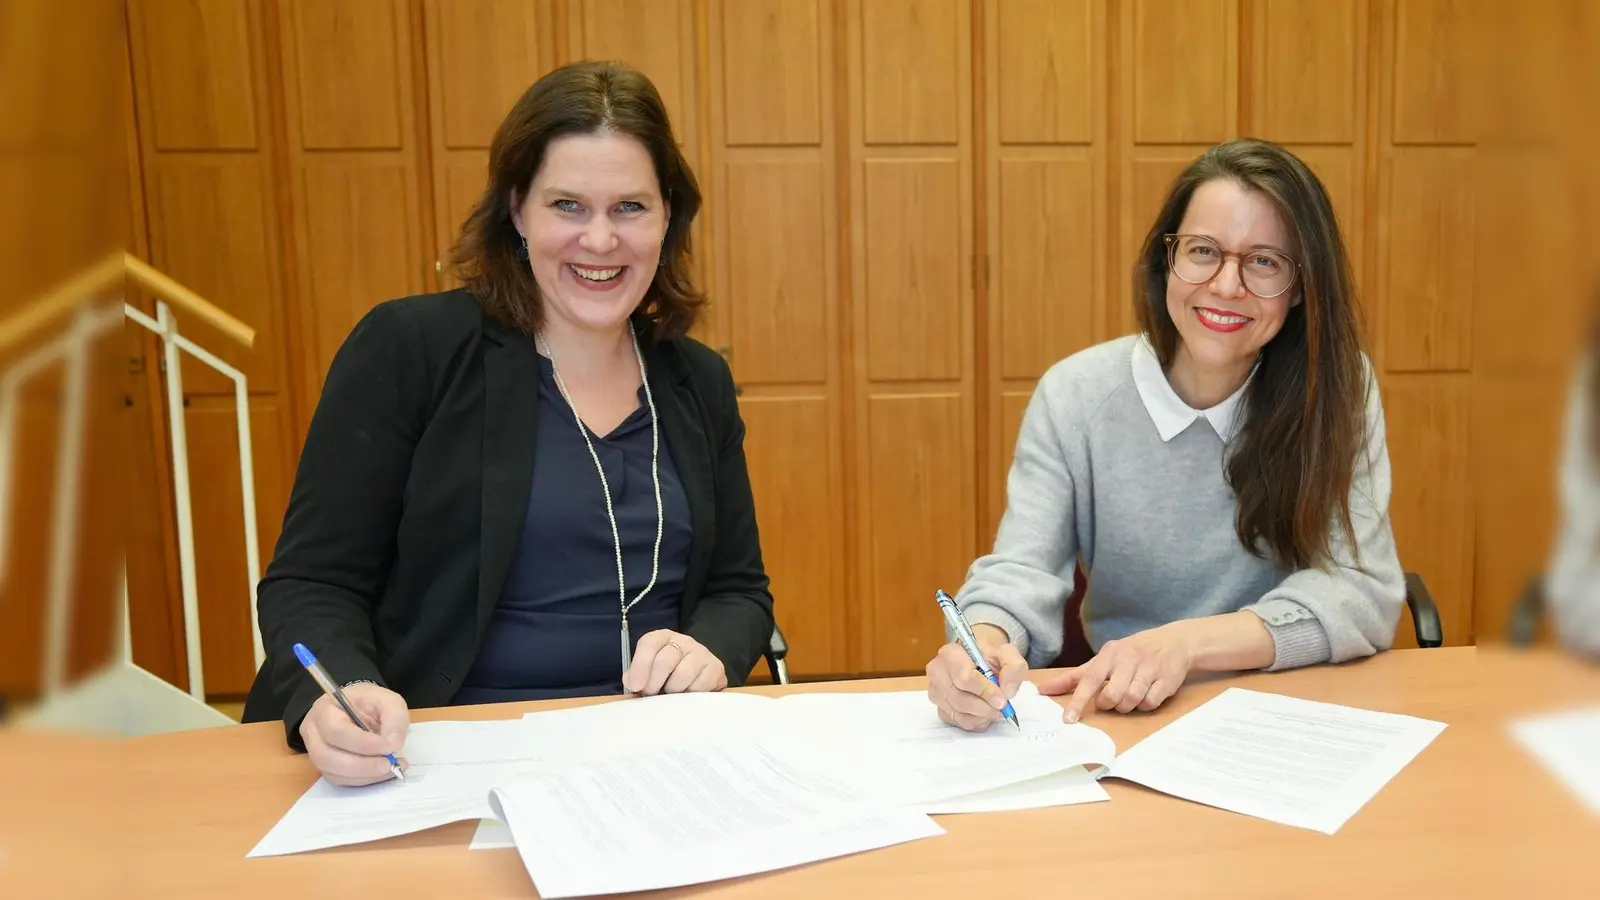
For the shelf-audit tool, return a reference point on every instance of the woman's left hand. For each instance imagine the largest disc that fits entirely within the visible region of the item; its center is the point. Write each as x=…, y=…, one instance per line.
x=667, y=662
x=1138, y=672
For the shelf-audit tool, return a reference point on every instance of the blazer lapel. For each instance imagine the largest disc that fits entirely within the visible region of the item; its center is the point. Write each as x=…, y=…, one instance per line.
x=510, y=429
x=683, y=426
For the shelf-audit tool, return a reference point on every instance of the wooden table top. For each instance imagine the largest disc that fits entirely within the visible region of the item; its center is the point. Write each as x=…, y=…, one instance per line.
x=1472, y=816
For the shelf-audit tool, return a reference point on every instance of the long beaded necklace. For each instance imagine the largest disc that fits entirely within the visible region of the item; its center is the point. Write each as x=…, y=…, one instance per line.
x=611, y=516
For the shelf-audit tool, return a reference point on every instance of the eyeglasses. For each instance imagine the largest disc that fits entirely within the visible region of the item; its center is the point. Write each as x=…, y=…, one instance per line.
x=1197, y=260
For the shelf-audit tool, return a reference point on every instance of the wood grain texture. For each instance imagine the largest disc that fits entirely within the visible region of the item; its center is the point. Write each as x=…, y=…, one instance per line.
x=1046, y=81
x=773, y=81
x=912, y=76
x=199, y=57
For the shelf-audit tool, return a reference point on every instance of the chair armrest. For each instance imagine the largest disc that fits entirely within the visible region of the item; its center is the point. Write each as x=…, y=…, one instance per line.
x=777, y=647
x=1523, y=627
x=1424, y=613
x=777, y=651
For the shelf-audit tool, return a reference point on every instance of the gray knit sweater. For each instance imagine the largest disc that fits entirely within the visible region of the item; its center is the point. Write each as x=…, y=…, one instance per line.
x=1573, y=581
x=1153, y=523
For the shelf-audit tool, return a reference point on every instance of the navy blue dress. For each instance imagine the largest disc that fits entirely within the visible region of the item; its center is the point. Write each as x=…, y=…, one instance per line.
x=555, y=629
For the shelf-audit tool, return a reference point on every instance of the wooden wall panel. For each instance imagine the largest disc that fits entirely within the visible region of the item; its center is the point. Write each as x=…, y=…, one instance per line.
x=773, y=78
x=359, y=45
x=201, y=85
x=1428, y=259
x=220, y=571
x=1045, y=264
x=1517, y=429
x=1429, y=418
x=912, y=77
x=1307, y=87
x=483, y=55
x=1046, y=71
x=1434, y=72
x=777, y=298
x=919, y=524
x=355, y=178
x=216, y=236
x=790, y=448
x=361, y=239
x=1185, y=70
x=772, y=212
x=912, y=261
x=912, y=272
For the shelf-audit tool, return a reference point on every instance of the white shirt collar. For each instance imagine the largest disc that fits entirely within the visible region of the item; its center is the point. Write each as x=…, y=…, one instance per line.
x=1167, y=410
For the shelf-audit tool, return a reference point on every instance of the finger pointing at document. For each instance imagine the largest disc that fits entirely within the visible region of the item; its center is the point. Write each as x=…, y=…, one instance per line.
x=1139, y=672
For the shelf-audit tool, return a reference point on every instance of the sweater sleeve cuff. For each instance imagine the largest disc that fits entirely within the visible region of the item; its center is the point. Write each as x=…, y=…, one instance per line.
x=989, y=614
x=1298, y=639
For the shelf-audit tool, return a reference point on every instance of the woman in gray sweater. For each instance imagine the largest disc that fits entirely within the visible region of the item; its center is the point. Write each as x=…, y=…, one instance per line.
x=1222, y=477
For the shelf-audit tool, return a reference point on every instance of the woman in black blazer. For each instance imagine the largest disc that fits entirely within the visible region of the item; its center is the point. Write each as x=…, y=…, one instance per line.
x=534, y=486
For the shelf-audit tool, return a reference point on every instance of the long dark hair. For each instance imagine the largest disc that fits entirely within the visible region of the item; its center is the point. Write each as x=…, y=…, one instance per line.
x=581, y=98
x=1293, y=460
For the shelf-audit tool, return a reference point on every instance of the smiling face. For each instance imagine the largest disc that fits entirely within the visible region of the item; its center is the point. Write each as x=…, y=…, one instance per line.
x=1221, y=324
x=594, y=220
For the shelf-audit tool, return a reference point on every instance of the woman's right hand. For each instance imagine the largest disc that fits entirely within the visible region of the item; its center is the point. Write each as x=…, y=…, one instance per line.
x=345, y=754
x=963, y=696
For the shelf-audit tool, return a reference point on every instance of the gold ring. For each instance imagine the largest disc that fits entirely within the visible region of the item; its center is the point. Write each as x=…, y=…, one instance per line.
x=674, y=645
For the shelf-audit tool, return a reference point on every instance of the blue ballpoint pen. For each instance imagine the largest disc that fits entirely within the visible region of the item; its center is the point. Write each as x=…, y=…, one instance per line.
x=969, y=642
x=309, y=660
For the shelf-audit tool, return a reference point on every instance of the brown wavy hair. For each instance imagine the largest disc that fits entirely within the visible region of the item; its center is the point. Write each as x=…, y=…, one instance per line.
x=1293, y=460
x=580, y=98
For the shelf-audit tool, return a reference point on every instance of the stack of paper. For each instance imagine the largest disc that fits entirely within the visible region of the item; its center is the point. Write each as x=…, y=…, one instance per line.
x=675, y=815
x=890, y=747
x=665, y=791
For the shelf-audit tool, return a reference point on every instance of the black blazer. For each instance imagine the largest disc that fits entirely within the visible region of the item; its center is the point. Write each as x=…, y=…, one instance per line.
x=411, y=493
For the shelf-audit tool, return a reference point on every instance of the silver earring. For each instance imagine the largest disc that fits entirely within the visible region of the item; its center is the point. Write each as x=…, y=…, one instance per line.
x=522, y=252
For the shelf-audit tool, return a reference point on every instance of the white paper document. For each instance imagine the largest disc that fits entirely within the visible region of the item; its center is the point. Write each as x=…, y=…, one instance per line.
x=890, y=746
x=1297, y=762
x=452, y=766
x=1068, y=787
x=1568, y=744
x=899, y=750
x=688, y=814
